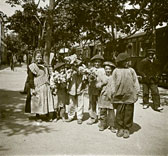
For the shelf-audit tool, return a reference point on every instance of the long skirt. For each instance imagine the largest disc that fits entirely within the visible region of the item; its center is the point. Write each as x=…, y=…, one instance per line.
x=42, y=102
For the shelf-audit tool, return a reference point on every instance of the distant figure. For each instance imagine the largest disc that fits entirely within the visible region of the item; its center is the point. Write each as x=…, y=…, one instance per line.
x=20, y=59
x=12, y=62
x=148, y=69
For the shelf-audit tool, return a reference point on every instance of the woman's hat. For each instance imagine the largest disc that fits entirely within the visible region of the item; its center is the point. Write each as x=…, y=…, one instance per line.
x=97, y=57
x=58, y=65
x=122, y=57
x=109, y=63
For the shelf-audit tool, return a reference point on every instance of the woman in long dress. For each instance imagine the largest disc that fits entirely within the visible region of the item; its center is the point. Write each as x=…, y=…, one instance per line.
x=39, y=99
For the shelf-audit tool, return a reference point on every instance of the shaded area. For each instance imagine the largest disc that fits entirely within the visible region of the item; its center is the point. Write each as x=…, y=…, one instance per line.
x=4, y=67
x=135, y=128
x=3, y=149
x=13, y=121
x=86, y=116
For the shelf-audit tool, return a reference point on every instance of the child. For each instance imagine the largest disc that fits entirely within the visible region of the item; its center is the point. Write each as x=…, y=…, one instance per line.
x=107, y=114
x=94, y=92
x=59, y=90
x=123, y=86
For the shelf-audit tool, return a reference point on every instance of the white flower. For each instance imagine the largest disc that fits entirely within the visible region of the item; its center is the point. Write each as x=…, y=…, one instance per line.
x=60, y=78
x=71, y=59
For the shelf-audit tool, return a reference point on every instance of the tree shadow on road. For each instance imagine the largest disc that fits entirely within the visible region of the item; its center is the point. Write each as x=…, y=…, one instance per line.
x=13, y=121
x=3, y=149
x=135, y=127
x=85, y=116
x=3, y=67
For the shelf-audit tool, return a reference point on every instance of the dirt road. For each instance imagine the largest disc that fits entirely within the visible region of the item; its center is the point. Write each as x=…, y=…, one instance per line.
x=20, y=136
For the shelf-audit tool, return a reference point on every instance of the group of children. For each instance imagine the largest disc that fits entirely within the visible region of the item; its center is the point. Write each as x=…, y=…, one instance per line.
x=112, y=88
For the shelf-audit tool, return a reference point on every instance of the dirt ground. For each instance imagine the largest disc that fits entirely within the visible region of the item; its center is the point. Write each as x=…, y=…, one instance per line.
x=21, y=136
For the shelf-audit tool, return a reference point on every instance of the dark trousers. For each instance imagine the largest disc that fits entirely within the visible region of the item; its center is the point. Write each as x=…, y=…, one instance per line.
x=92, y=106
x=154, y=93
x=124, y=116
x=107, y=117
x=28, y=102
x=59, y=112
x=26, y=86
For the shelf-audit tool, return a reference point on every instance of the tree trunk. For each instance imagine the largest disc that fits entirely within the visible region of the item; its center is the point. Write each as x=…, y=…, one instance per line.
x=49, y=34
x=154, y=38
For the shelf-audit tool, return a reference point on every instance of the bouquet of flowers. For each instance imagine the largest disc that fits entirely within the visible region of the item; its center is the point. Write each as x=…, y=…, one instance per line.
x=69, y=74
x=92, y=74
x=89, y=74
x=83, y=70
x=71, y=59
x=60, y=78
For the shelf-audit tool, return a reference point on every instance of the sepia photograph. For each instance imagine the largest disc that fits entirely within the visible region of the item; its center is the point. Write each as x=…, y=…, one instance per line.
x=83, y=77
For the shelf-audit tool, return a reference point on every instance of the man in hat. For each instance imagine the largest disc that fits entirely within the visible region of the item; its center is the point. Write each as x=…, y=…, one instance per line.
x=94, y=92
x=149, y=70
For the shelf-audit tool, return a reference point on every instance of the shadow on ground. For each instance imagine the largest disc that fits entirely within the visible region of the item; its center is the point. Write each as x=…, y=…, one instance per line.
x=135, y=128
x=3, y=149
x=85, y=116
x=13, y=121
x=3, y=67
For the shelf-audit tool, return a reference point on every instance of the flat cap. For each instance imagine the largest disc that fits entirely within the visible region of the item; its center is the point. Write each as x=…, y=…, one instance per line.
x=97, y=57
x=58, y=65
x=151, y=51
x=109, y=63
x=122, y=57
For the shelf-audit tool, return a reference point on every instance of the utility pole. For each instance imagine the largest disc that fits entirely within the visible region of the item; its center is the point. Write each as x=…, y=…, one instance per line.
x=49, y=33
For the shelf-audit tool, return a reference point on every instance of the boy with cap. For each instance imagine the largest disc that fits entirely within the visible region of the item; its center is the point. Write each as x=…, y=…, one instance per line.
x=59, y=91
x=94, y=92
x=123, y=88
x=148, y=69
x=107, y=114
